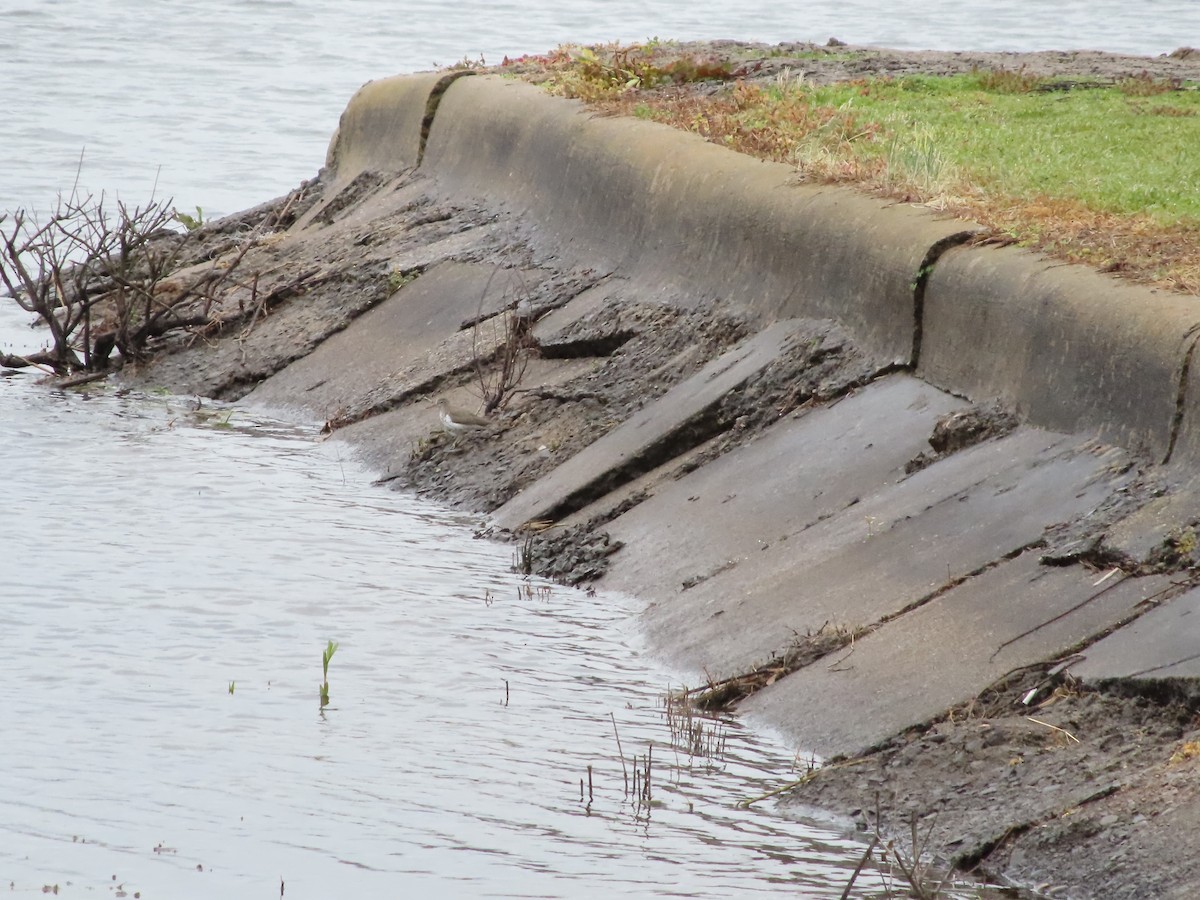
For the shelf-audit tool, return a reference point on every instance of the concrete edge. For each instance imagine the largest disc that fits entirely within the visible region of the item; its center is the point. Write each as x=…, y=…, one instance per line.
x=1070, y=349
x=673, y=210
x=386, y=124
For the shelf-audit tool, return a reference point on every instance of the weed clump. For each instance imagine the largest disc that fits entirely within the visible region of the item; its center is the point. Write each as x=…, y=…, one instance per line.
x=1006, y=81
x=596, y=74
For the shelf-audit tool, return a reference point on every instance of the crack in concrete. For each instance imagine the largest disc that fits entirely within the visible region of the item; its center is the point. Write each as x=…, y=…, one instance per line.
x=1181, y=394
x=431, y=106
x=921, y=279
x=955, y=581
x=799, y=655
x=1061, y=615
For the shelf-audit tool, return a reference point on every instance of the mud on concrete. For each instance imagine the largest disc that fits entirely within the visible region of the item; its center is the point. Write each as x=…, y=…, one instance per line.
x=292, y=295
x=656, y=347
x=960, y=430
x=1069, y=790
x=819, y=364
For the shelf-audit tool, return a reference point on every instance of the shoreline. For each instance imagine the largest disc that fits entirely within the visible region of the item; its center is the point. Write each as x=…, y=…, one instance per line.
x=712, y=434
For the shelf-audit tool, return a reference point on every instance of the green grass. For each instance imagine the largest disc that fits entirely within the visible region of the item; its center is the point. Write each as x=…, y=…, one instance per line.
x=1107, y=149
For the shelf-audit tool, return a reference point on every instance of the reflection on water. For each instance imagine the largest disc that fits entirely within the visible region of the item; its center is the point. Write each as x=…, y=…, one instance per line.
x=171, y=576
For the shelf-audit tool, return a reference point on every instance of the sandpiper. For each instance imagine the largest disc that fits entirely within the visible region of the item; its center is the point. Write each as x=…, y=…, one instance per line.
x=456, y=420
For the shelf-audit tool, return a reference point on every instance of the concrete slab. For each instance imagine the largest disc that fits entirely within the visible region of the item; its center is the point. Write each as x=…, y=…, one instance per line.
x=609, y=461
x=636, y=491
x=1150, y=527
x=799, y=472
x=1164, y=643
x=944, y=653
x=587, y=302
x=411, y=337
x=900, y=544
x=386, y=442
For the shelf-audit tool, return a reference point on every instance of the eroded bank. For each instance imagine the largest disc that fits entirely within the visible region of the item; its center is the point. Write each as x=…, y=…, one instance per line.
x=910, y=482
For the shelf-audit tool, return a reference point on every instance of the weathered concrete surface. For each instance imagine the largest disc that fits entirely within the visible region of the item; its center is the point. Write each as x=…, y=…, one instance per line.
x=385, y=124
x=609, y=461
x=407, y=344
x=1164, y=643
x=809, y=467
x=938, y=656
x=895, y=543
x=1071, y=350
x=1163, y=526
x=690, y=220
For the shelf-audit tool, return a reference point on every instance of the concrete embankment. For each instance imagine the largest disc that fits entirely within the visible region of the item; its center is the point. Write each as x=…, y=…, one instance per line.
x=814, y=468
x=1072, y=352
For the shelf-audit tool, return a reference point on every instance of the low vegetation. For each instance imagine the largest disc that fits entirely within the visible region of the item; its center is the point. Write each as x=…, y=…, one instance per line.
x=326, y=656
x=1099, y=172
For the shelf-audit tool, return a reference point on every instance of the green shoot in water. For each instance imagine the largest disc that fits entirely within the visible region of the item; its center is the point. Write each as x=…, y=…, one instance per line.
x=330, y=649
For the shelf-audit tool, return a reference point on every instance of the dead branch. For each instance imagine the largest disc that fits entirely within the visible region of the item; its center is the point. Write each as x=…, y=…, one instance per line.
x=513, y=342
x=41, y=360
x=104, y=282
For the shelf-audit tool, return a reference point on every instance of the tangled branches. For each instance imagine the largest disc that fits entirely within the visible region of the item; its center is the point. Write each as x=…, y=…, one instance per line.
x=103, y=283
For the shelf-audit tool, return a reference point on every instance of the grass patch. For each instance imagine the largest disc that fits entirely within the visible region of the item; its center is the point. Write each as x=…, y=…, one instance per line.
x=1102, y=147
x=1102, y=173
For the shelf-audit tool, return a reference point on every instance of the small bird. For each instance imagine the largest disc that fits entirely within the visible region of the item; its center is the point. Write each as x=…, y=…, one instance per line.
x=455, y=421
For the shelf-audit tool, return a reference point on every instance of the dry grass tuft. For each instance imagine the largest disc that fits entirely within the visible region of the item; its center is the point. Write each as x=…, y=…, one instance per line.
x=1006, y=81
x=1145, y=85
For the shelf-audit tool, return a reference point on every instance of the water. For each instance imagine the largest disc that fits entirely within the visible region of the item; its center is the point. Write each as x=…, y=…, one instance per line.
x=171, y=575
x=225, y=103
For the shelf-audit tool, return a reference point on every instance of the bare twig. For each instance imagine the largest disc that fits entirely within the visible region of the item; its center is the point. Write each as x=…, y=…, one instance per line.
x=803, y=780
x=105, y=282
x=1054, y=728
x=858, y=869
x=621, y=753
x=501, y=370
